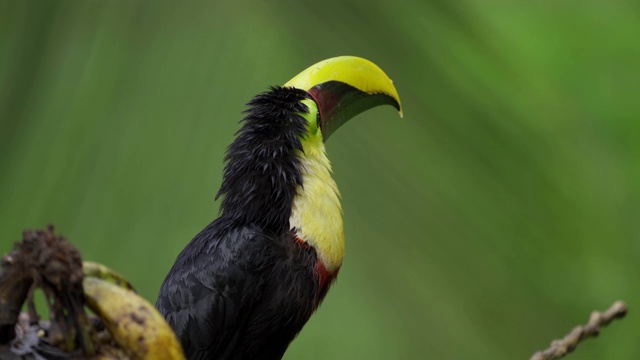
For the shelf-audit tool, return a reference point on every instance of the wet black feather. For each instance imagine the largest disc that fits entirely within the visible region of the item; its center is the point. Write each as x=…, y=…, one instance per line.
x=262, y=164
x=244, y=287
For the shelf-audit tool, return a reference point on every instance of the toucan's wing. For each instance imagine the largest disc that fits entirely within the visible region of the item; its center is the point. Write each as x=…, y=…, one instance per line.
x=209, y=293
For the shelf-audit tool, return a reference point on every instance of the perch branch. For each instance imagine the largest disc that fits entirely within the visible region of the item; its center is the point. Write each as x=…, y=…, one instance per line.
x=560, y=348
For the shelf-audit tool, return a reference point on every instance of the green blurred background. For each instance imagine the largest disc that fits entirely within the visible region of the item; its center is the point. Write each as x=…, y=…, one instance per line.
x=494, y=217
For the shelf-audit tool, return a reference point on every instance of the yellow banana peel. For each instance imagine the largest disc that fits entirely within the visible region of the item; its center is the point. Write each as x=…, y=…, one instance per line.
x=138, y=328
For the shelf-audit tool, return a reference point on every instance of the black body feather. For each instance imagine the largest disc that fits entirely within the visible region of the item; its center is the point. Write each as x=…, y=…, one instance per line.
x=244, y=286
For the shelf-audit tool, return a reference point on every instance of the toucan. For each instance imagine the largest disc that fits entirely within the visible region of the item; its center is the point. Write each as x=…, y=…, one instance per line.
x=244, y=287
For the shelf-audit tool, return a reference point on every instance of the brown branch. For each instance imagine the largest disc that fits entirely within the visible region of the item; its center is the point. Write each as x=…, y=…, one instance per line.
x=15, y=283
x=46, y=261
x=560, y=348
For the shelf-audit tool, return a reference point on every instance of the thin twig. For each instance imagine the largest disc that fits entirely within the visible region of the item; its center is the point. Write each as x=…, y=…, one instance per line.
x=560, y=348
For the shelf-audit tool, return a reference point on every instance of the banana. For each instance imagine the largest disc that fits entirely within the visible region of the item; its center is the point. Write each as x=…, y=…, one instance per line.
x=138, y=328
x=97, y=270
x=128, y=327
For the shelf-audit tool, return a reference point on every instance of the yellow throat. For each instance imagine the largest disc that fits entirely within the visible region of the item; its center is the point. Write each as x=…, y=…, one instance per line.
x=316, y=214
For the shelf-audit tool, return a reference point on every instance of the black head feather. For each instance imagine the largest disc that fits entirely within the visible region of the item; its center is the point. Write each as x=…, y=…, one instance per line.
x=262, y=167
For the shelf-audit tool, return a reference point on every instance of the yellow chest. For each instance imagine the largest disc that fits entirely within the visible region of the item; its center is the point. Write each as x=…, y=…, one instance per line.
x=316, y=213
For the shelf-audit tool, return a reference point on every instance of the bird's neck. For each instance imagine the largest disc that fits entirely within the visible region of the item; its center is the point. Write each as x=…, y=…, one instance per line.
x=316, y=213
x=263, y=162
x=278, y=175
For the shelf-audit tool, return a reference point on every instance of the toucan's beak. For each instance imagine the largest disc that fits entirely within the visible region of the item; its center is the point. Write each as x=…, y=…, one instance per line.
x=343, y=87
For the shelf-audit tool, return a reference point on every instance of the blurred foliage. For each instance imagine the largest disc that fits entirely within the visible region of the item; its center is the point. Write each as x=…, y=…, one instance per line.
x=495, y=216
